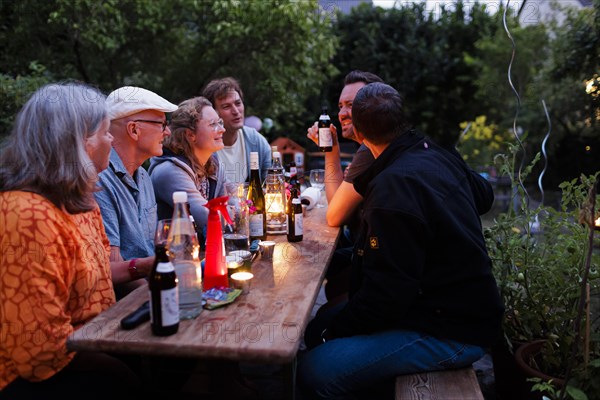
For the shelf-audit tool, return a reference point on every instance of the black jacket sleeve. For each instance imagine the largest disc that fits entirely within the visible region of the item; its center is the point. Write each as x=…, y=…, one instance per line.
x=482, y=190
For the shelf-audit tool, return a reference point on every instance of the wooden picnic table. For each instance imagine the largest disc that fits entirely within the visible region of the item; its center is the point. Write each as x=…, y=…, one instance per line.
x=264, y=326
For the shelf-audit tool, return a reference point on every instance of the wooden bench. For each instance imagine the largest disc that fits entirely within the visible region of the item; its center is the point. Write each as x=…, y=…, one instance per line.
x=458, y=384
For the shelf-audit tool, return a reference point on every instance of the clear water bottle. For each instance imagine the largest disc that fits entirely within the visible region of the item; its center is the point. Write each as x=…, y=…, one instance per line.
x=184, y=254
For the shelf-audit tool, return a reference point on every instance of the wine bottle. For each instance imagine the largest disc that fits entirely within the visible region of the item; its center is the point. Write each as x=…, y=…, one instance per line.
x=295, y=221
x=164, y=303
x=293, y=180
x=258, y=220
x=299, y=160
x=184, y=254
x=325, y=138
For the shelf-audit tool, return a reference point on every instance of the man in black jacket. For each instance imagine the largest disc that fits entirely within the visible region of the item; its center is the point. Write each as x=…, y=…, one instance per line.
x=422, y=294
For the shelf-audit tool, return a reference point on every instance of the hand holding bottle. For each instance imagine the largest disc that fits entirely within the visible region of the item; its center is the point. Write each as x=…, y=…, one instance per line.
x=313, y=133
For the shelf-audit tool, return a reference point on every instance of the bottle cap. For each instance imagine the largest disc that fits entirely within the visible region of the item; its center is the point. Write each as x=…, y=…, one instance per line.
x=296, y=201
x=165, y=267
x=276, y=154
x=179, y=197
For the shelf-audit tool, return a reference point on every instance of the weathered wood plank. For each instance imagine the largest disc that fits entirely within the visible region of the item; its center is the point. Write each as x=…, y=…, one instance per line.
x=459, y=384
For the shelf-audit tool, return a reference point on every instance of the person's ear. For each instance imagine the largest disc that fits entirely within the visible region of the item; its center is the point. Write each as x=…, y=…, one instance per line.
x=133, y=130
x=190, y=135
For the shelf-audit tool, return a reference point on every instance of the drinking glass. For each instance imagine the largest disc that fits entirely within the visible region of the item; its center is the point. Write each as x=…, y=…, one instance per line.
x=317, y=180
x=237, y=234
x=162, y=232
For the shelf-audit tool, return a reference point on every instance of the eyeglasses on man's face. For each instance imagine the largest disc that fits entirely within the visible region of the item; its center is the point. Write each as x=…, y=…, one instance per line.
x=215, y=125
x=163, y=123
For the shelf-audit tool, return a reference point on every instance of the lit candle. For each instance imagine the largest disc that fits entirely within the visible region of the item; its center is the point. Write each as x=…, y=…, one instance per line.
x=232, y=265
x=241, y=280
x=266, y=249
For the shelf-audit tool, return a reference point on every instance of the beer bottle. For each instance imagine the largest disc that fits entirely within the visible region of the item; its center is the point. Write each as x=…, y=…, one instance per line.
x=258, y=220
x=325, y=138
x=295, y=221
x=164, y=304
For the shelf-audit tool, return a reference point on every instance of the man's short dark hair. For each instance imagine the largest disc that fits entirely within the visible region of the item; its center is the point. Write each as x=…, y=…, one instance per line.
x=378, y=113
x=361, y=76
x=219, y=88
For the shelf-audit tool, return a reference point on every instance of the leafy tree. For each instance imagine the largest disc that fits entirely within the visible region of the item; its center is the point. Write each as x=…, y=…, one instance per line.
x=552, y=63
x=15, y=91
x=570, y=85
x=492, y=62
x=421, y=56
x=278, y=49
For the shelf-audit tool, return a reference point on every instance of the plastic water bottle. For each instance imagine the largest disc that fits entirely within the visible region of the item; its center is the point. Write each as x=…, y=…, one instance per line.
x=184, y=254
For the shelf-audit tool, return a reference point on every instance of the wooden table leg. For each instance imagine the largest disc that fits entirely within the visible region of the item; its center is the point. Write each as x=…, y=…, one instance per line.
x=289, y=380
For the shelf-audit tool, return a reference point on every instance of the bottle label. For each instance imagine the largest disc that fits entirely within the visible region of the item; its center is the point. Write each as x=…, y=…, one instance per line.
x=165, y=267
x=169, y=306
x=253, y=160
x=298, y=225
x=256, y=225
x=325, y=139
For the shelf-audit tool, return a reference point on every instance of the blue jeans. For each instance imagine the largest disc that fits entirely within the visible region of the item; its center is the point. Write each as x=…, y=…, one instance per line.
x=363, y=366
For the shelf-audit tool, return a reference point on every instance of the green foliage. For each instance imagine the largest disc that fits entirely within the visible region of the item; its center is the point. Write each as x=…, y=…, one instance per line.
x=551, y=392
x=575, y=60
x=538, y=258
x=552, y=63
x=481, y=142
x=588, y=379
x=14, y=92
x=492, y=60
x=421, y=56
x=280, y=50
x=291, y=56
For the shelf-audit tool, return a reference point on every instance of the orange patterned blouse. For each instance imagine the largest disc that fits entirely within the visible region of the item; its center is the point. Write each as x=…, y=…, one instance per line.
x=54, y=276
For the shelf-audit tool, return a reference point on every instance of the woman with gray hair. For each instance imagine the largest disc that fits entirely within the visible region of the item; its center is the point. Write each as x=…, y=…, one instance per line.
x=188, y=162
x=54, y=264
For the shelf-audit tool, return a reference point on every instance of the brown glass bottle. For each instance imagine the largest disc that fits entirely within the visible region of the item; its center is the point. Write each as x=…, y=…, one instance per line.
x=164, y=304
x=325, y=138
x=295, y=221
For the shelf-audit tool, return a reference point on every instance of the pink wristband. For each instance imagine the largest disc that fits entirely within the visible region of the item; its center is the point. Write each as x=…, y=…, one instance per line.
x=133, y=271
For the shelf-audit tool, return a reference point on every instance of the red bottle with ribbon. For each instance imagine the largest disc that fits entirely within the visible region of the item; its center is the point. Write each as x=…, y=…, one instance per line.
x=215, y=267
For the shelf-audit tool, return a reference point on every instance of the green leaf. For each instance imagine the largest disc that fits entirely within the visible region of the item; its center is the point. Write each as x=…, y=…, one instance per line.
x=576, y=393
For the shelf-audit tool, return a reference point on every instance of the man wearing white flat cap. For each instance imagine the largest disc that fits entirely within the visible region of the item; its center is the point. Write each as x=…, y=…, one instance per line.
x=139, y=125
